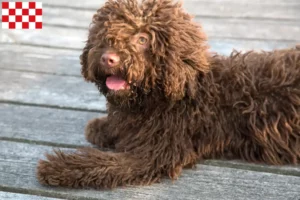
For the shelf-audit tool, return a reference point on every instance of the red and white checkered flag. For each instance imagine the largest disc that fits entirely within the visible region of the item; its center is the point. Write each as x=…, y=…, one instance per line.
x=22, y=15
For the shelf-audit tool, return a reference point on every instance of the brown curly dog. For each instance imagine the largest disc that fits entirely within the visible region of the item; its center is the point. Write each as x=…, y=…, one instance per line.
x=172, y=103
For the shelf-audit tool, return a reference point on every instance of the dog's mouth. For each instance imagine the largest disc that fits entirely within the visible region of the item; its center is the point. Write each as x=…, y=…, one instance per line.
x=116, y=83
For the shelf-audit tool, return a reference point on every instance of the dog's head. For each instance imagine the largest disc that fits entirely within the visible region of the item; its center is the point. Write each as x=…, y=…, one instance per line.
x=137, y=50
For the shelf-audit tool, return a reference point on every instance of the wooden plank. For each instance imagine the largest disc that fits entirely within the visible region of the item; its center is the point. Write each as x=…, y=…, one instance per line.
x=16, y=196
x=38, y=59
x=214, y=27
x=48, y=37
x=51, y=90
x=225, y=46
x=250, y=29
x=64, y=128
x=284, y=170
x=278, y=9
x=74, y=39
x=246, y=2
x=44, y=125
x=17, y=170
x=246, y=10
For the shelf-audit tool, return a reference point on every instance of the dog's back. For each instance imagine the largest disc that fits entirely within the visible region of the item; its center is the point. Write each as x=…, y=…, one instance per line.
x=260, y=93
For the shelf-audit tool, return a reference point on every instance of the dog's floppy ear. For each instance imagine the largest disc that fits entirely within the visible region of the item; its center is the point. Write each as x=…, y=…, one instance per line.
x=84, y=61
x=180, y=46
x=186, y=60
x=181, y=76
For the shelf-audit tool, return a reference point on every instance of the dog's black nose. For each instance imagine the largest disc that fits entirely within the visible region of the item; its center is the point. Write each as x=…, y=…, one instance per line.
x=110, y=59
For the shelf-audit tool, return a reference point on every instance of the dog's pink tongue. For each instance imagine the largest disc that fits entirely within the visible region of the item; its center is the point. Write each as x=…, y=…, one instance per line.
x=115, y=83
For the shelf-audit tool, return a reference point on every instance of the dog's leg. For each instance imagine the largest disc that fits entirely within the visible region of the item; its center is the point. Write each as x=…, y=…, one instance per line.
x=97, y=169
x=97, y=133
x=94, y=168
x=90, y=167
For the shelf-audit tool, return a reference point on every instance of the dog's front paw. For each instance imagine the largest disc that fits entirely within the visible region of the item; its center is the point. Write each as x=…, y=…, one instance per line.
x=92, y=130
x=95, y=132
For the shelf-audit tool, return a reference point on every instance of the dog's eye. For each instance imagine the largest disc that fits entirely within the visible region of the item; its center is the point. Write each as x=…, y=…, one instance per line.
x=142, y=40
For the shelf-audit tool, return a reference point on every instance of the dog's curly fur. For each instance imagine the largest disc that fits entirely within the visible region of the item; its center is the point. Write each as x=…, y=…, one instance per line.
x=183, y=104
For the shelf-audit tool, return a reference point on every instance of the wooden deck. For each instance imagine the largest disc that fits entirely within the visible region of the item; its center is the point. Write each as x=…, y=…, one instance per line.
x=45, y=103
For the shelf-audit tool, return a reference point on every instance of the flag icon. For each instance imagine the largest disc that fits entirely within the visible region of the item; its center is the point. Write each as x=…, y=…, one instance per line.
x=22, y=15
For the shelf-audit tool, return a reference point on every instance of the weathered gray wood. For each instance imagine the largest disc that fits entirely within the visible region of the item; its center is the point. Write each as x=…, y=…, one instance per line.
x=246, y=2
x=250, y=29
x=242, y=9
x=64, y=128
x=44, y=125
x=16, y=196
x=225, y=46
x=214, y=27
x=60, y=91
x=74, y=39
x=48, y=37
x=284, y=170
x=217, y=8
x=17, y=170
x=93, y=3
x=38, y=59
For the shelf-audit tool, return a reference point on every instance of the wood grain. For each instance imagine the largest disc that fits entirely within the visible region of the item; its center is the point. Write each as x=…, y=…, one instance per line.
x=16, y=196
x=61, y=91
x=70, y=38
x=39, y=59
x=277, y=9
x=44, y=125
x=284, y=170
x=206, y=182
